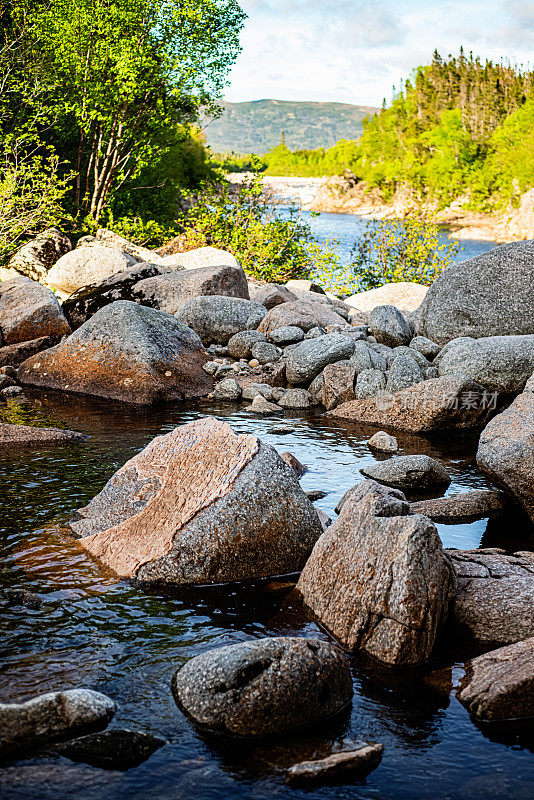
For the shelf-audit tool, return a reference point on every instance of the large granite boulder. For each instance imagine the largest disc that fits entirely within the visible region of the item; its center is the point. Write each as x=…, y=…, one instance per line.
x=446, y=403
x=200, y=505
x=85, y=302
x=39, y=255
x=380, y=584
x=265, y=686
x=171, y=290
x=501, y=364
x=125, y=352
x=488, y=295
x=52, y=717
x=506, y=450
x=404, y=295
x=200, y=257
x=499, y=685
x=417, y=473
x=29, y=311
x=86, y=265
x=301, y=314
x=139, y=253
x=310, y=357
x=494, y=605
x=217, y=319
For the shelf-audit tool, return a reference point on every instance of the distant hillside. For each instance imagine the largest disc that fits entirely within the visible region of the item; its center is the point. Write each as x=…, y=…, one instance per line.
x=257, y=126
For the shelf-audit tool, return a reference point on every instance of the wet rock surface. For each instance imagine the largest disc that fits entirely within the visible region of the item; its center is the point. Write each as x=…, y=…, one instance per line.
x=125, y=352
x=52, y=717
x=493, y=605
x=380, y=584
x=359, y=761
x=499, y=685
x=200, y=505
x=265, y=686
x=26, y=434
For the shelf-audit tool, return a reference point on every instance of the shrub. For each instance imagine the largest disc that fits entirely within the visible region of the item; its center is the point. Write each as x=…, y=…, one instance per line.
x=30, y=196
x=269, y=246
x=410, y=250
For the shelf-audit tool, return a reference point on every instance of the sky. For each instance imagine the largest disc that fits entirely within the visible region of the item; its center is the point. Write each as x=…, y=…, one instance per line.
x=355, y=51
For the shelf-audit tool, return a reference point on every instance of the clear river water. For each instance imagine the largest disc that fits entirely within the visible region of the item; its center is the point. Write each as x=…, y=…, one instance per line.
x=95, y=632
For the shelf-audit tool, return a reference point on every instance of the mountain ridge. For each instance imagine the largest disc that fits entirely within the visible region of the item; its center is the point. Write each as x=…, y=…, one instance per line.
x=256, y=126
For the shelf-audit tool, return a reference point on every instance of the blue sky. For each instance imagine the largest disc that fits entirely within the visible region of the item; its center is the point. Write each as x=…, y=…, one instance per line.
x=354, y=51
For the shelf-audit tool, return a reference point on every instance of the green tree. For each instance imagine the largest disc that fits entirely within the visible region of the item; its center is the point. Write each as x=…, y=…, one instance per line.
x=123, y=74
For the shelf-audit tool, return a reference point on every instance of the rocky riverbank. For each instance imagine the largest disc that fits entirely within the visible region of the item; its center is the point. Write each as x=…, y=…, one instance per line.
x=344, y=195
x=204, y=504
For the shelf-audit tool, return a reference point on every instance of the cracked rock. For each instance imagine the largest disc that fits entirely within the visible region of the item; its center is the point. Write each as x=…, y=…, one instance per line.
x=493, y=604
x=265, y=686
x=380, y=584
x=499, y=685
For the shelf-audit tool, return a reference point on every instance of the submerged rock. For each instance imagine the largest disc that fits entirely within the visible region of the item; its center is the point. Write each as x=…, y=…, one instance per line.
x=488, y=295
x=265, y=686
x=29, y=311
x=360, y=761
x=380, y=584
x=119, y=748
x=26, y=434
x=125, y=352
x=499, y=685
x=415, y=473
x=506, y=450
x=52, y=717
x=200, y=505
x=493, y=605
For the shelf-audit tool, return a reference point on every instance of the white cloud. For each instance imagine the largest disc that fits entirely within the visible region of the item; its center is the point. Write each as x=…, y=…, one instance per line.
x=355, y=50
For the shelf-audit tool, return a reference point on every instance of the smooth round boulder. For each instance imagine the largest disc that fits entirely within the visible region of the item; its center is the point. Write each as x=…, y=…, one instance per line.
x=264, y=687
x=265, y=352
x=87, y=265
x=217, y=319
x=311, y=356
x=286, y=335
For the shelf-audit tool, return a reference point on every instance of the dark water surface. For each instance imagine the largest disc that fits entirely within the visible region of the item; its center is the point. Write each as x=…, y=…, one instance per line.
x=94, y=632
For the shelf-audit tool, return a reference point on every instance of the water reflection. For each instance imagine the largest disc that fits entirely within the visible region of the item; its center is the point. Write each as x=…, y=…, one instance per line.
x=114, y=637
